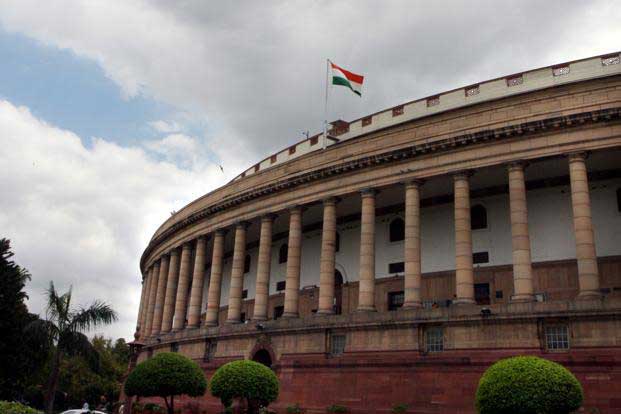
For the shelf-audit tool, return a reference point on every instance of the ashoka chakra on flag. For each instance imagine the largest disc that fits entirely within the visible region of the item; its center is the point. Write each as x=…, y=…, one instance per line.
x=344, y=77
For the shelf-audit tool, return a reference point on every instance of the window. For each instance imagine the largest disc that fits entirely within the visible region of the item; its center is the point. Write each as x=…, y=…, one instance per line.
x=398, y=267
x=433, y=101
x=283, y=252
x=434, y=339
x=278, y=311
x=619, y=200
x=292, y=150
x=478, y=217
x=245, y=294
x=397, y=230
x=314, y=140
x=210, y=350
x=472, y=90
x=247, y=264
x=557, y=337
x=398, y=110
x=395, y=300
x=499, y=294
x=367, y=120
x=560, y=70
x=273, y=158
x=256, y=167
x=610, y=60
x=515, y=80
x=242, y=317
x=337, y=344
x=337, y=243
x=174, y=347
x=280, y=286
x=480, y=257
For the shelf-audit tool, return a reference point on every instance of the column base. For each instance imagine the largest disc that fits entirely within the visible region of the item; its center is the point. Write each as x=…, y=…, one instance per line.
x=589, y=295
x=192, y=326
x=464, y=301
x=366, y=309
x=290, y=315
x=522, y=298
x=412, y=305
x=259, y=319
x=325, y=312
x=210, y=324
x=233, y=321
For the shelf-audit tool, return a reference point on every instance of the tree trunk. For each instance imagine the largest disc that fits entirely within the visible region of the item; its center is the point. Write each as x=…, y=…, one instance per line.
x=171, y=410
x=52, y=382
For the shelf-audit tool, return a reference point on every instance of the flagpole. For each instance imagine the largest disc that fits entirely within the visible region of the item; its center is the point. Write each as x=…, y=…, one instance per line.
x=325, y=119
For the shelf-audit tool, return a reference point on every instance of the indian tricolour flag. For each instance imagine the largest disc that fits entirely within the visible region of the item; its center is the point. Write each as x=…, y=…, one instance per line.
x=344, y=77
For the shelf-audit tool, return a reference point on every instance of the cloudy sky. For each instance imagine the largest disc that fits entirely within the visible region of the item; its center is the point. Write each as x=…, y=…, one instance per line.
x=114, y=113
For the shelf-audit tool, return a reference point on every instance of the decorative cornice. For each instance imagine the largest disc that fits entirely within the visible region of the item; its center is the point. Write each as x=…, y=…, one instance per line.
x=401, y=154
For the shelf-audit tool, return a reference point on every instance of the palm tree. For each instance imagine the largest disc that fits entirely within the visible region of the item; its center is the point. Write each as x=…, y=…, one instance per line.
x=63, y=329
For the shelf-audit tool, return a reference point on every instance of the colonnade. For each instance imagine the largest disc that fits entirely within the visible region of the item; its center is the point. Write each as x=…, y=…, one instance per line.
x=163, y=306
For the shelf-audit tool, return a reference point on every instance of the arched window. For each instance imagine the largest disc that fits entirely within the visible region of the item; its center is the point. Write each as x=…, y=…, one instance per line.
x=282, y=253
x=337, y=242
x=478, y=217
x=397, y=230
x=247, y=264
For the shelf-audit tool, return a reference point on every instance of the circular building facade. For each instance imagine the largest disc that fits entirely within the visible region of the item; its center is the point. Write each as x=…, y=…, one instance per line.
x=421, y=245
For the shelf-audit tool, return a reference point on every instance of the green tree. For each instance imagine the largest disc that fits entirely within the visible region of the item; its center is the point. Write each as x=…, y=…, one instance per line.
x=63, y=328
x=248, y=380
x=165, y=375
x=20, y=355
x=528, y=385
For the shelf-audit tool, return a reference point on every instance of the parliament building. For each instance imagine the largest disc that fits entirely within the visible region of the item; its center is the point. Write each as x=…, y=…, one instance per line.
x=424, y=243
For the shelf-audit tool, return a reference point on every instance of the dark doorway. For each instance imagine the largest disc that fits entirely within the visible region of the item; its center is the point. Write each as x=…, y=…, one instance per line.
x=338, y=292
x=262, y=356
x=481, y=293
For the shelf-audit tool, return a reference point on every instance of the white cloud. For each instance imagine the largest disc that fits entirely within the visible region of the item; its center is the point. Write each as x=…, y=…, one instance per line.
x=165, y=126
x=82, y=216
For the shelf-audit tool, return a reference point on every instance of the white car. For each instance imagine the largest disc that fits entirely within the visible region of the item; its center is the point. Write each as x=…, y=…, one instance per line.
x=82, y=411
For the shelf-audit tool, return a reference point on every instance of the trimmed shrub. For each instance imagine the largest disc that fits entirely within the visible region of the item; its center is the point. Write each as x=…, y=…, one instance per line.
x=165, y=375
x=399, y=409
x=528, y=385
x=294, y=409
x=248, y=380
x=337, y=409
x=7, y=407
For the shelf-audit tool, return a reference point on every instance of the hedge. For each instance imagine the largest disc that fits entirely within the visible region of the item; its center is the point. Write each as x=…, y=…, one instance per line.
x=244, y=379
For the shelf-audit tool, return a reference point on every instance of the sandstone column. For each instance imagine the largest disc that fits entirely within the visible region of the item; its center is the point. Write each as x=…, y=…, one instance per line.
x=143, y=300
x=520, y=239
x=464, y=274
x=294, y=249
x=263, y=268
x=171, y=291
x=366, y=291
x=237, y=274
x=155, y=272
x=326, y=266
x=588, y=279
x=196, y=294
x=412, y=255
x=215, y=280
x=160, y=296
x=182, y=289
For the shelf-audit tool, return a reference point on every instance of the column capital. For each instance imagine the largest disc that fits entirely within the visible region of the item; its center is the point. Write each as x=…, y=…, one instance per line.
x=296, y=208
x=462, y=175
x=368, y=192
x=414, y=183
x=187, y=245
x=517, y=165
x=204, y=237
x=174, y=251
x=242, y=224
x=269, y=217
x=577, y=156
x=220, y=232
x=332, y=200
